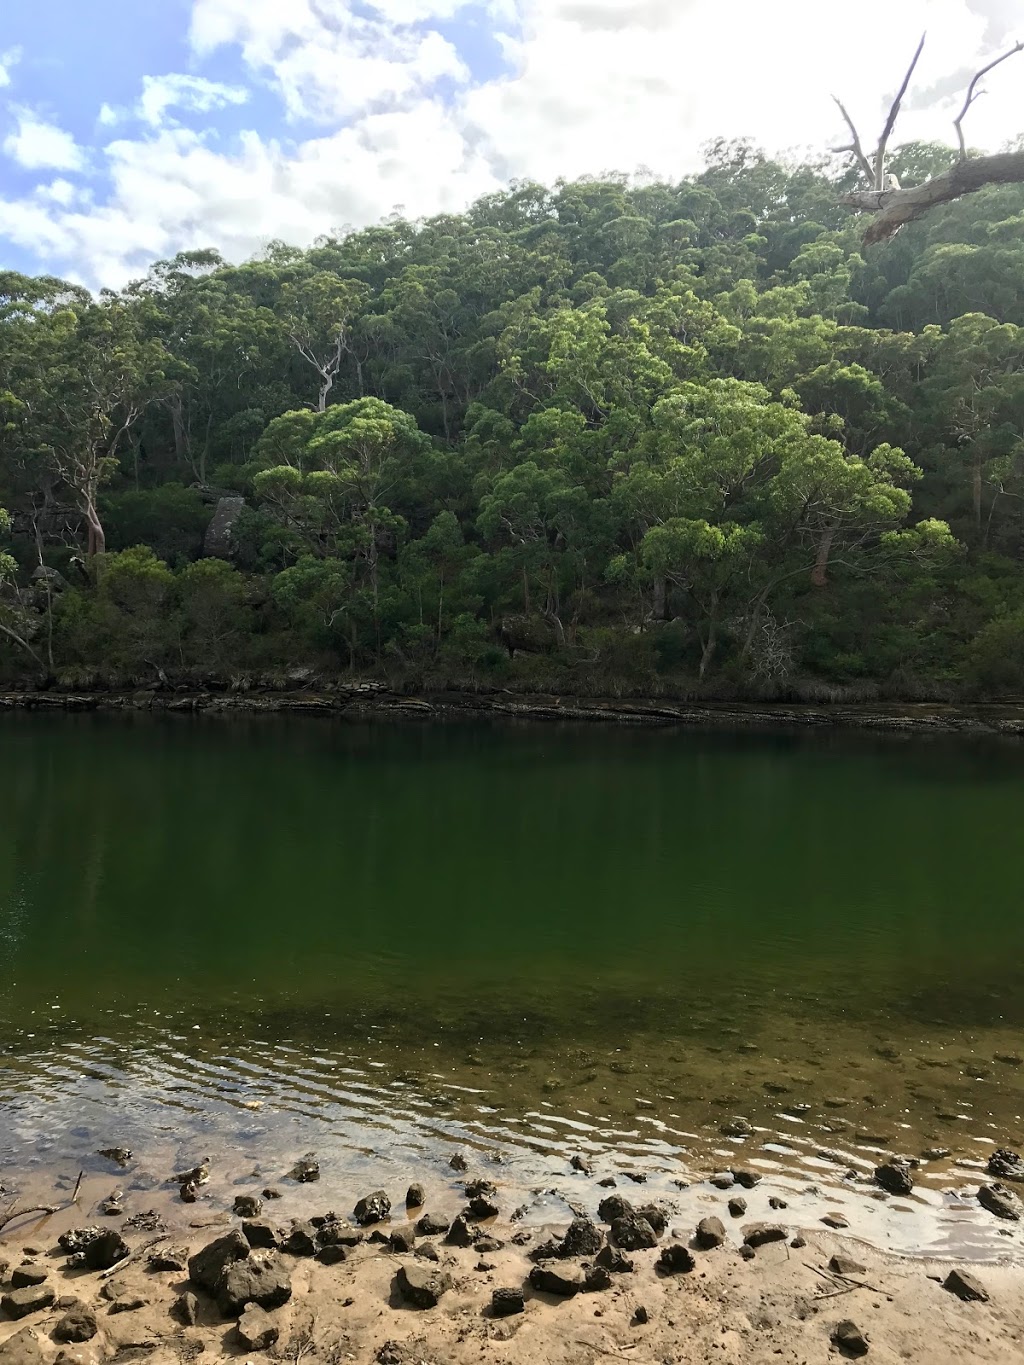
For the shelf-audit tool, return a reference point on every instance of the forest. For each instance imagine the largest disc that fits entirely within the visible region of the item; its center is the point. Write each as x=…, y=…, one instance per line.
x=612, y=436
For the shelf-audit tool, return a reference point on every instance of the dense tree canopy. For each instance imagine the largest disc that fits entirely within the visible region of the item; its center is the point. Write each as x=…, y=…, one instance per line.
x=614, y=434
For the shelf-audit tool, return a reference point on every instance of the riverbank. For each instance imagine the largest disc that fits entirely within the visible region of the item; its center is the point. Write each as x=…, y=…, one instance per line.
x=451, y=1274
x=371, y=701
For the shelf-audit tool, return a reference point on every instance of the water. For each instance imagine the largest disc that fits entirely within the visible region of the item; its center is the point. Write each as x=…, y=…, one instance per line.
x=248, y=939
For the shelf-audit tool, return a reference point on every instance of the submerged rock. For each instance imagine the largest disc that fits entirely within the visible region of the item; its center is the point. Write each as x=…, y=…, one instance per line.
x=372, y=1208
x=895, y=1177
x=120, y=1156
x=737, y=1127
x=306, y=1169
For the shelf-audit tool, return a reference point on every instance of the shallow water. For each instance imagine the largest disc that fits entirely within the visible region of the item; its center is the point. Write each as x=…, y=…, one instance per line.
x=252, y=938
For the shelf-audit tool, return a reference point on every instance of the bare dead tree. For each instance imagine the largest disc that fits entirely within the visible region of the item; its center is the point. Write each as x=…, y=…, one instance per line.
x=888, y=201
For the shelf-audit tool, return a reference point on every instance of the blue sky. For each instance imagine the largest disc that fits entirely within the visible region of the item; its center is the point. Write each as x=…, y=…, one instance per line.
x=130, y=129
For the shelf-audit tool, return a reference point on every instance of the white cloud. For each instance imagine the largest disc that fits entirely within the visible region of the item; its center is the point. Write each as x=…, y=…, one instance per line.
x=590, y=85
x=8, y=60
x=195, y=94
x=109, y=116
x=59, y=191
x=37, y=145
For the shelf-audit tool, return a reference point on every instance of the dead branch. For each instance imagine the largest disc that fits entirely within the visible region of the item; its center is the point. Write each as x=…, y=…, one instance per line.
x=855, y=146
x=133, y=1255
x=890, y=122
x=14, y=1212
x=893, y=208
x=973, y=93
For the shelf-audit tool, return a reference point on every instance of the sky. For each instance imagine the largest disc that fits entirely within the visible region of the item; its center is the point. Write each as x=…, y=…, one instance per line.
x=132, y=129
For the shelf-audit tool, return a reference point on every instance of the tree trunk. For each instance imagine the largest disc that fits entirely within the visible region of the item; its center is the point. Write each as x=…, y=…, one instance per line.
x=976, y=489
x=326, y=384
x=712, y=637
x=893, y=208
x=660, y=598
x=819, y=574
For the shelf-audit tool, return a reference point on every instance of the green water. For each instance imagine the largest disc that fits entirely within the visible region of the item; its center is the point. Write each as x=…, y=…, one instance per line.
x=398, y=936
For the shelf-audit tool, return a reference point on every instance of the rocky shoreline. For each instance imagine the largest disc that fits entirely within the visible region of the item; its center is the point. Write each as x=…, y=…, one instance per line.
x=371, y=701
x=446, y=1271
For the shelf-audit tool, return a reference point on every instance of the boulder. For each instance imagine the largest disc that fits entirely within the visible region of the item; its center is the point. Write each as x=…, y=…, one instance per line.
x=633, y=1233
x=262, y=1279
x=760, y=1234
x=259, y=1233
x=614, y=1206
x=482, y=1207
x=461, y=1234
x=403, y=1238
x=737, y=1207
x=104, y=1251
x=432, y=1225
x=895, y=1177
x=27, y=1274
x=965, y=1286
x=582, y=1238
x=301, y=1239
x=339, y=1232
x=415, y=1197
x=305, y=1170
x=655, y=1216
x=1005, y=1164
x=421, y=1285
x=207, y=1266
x=1000, y=1201
x=24, y=1348
x=77, y=1325
x=710, y=1233
x=849, y=1338
x=19, y=1303
x=553, y=1277
x=611, y=1258
x=219, y=538
x=247, y=1206
x=257, y=1329
x=372, y=1208
x=506, y=1302
x=676, y=1259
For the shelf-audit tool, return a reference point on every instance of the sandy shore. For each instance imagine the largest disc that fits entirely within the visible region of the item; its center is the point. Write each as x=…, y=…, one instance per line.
x=348, y=1286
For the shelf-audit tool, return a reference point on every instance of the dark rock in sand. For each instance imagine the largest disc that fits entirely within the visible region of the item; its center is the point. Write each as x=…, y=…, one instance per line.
x=850, y=1339
x=104, y=1251
x=421, y=1286
x=737, y=1128
x=722, y=1180
x=19, y=1303
x=760, y=1234
x=581, y=1164
x=259, y=1233
x=608, y=1183
x=77, y=1325
x=306, y=1169
x=415, y=1197
x=301, y=1239
x=461, y=1234
x=554, y=1277
x=247, y=1206
x=24, y=1276
x=432, y=1225
x=676, y=1260
x=487, y=1244
x=403, y=1238
x=113, y=1205
x=710, y=1233
x=748, y=1253
x=582, y=1238
x=655, y=1216
x=129, y=1303
x=1006, y=1164
x=459, y=1162
x=633, y=1233
x=372, y=1208
x=611, y=1258
x=186, y=1308
x=482, y=1207
x=331, y=1255
x=640, y=1316
x=262, y=1279
x=835, y=1220
x=271, y=1193
x=774, y=1202
x=506, y=1302
x=339, y=1232
x=481, y=1189
x=841, y=1264
x=895, y=1177
x=427, y=1252
x=1001, y=1201
x=596, y=1279
x=737, y=1207
x=965, y=1286
x=257, y=1329
x=208, y=1265
x=748, y=1179
x=614, y=1206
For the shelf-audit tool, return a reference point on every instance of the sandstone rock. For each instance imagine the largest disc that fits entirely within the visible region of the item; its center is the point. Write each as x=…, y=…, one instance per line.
x=208, y=1265
x=1000, y=1201
x=710, y=1233
x=372, y=1208
x=849, y=1338
x=432, y=1225
x=262, y=1279
x=247, y=1206
x=506, y=1302
x=554, y=1277
x=33, y=1298
x=256, y=1329
x=676, y=1259
x=422, y=1286
x=895, y=1177
x=759, y=1234
x=77, y=1325
x=23, y=1276
x=965, y=1286
x=633, y=1233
